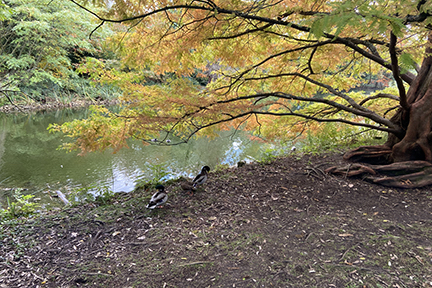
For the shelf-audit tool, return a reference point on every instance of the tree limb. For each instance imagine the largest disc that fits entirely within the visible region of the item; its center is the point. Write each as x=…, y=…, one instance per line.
x=379, y=95
x=312, y=118
x=395, y=68
x=363, y=112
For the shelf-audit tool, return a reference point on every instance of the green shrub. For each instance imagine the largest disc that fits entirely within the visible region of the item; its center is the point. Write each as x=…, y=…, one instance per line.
x=23, y=206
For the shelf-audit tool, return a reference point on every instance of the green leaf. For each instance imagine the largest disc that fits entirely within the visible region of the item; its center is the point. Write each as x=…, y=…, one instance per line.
x=317, y=28
x=407, y=62
x=397, y=26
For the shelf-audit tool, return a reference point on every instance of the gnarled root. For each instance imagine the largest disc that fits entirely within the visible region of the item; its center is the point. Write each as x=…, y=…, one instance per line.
x=351, y=170
x=408, y=174
x=379, y=154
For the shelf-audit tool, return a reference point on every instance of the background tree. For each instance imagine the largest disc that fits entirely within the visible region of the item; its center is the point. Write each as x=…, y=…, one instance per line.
x=273, y=66
x=40, y=43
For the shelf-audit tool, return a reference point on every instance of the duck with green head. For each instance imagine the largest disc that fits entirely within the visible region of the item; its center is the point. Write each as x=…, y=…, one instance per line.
x=159, y=198
x=201, y=178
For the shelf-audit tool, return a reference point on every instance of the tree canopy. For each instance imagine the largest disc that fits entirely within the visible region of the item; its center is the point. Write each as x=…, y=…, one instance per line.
x=276, y=67
x=39, y=44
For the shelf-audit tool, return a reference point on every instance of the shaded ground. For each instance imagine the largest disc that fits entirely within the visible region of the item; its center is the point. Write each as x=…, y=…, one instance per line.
x=285, y=224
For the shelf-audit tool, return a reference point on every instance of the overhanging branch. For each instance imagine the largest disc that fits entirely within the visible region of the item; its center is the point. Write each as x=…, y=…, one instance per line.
x=379, y=95
x=290, y=114
x=387, y=125
x=396, y=74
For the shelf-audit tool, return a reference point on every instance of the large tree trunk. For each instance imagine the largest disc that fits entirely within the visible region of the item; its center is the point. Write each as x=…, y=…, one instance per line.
x=416, y=141
x=416, y=144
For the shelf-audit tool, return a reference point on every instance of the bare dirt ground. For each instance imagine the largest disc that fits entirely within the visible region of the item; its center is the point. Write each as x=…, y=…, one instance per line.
x=283, y=224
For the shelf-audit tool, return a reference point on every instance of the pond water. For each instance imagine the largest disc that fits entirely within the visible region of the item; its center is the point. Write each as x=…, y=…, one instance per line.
x=29, y=158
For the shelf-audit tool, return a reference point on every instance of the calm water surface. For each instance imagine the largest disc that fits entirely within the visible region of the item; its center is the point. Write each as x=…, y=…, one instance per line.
x=29, y=158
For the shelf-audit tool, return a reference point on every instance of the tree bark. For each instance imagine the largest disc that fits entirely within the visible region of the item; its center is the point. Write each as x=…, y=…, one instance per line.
x=413, y=147
x=415, y=120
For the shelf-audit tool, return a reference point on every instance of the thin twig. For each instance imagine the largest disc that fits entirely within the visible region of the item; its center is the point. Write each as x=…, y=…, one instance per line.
x=194, y=263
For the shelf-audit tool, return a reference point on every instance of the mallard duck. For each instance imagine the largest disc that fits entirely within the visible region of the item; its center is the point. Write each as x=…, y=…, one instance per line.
x=187, y=186
x=201, y=178
x=158, y=199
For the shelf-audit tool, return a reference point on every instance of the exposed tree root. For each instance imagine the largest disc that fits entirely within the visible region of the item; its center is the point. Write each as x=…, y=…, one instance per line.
x=408, y=174
x=351, y=170
x=379, y=154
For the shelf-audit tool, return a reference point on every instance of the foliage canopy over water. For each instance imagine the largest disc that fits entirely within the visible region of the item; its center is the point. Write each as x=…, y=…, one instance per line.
x=278, y=67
